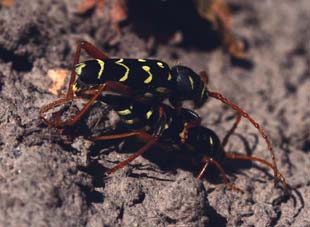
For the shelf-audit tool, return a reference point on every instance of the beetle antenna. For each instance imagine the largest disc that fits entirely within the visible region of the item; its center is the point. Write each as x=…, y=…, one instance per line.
x=244, y=114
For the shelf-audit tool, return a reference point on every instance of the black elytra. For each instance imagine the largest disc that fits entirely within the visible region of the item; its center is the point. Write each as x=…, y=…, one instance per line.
x=147, y=78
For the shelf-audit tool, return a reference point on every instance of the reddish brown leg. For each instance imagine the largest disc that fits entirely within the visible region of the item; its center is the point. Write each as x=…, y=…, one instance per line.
x=220, y=168
x=231, y=131
x=109, y=85
x=140, y=134
x=203, y=170
x=52, y=105
x=116, y=136
x=134, y=155
x=262, y=161
x=150, y=141
x=253, y=122
x=92, y=51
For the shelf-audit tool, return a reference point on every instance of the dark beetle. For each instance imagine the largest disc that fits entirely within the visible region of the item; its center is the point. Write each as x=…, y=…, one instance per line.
x=160, y=123
x=147, y=81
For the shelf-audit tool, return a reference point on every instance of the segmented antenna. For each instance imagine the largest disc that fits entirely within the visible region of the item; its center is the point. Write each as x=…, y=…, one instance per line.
x=244, y=114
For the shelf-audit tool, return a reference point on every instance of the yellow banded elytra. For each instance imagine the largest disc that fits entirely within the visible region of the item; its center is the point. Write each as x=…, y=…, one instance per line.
x=143, y=76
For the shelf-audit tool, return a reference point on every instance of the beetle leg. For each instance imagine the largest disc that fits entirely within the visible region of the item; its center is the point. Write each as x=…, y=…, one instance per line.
x=262, y=161
x=110, y=86
x=52, y=105
x=149, y=139
x=92, y=51
x=244, y=114
x=203, y=170
x=220, y=168
x=150, y=142
x=115, y=136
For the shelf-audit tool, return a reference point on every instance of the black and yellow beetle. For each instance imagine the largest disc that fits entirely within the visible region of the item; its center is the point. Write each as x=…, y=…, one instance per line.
x=142, y=79
x=179, y=128
x=149, y=79
x=139, y=79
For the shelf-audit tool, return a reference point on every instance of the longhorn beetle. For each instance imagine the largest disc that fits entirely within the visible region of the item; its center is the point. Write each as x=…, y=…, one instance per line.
x=158, y=123
x=142, y=79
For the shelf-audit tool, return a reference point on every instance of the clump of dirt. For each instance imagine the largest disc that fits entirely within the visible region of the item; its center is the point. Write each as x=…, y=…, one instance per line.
x=47, y=178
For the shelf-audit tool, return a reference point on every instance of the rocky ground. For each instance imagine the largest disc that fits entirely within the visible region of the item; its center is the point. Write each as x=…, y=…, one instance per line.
x=46, y=178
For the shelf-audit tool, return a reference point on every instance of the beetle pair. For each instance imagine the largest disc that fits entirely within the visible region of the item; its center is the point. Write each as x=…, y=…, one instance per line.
x=142, y=85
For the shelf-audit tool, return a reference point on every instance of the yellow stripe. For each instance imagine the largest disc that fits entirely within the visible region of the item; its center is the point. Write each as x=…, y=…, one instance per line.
x=150, y=77
x=191, y=81
x=101, y=63
x=148, y=94
x=125, y=77
x=169, y=76
x=131, y=121
x=203, y=91
x=141, y=60
x=161, y=89
x=79, y=68
x=160, y=64
x=124, y=112
x=149, y=114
